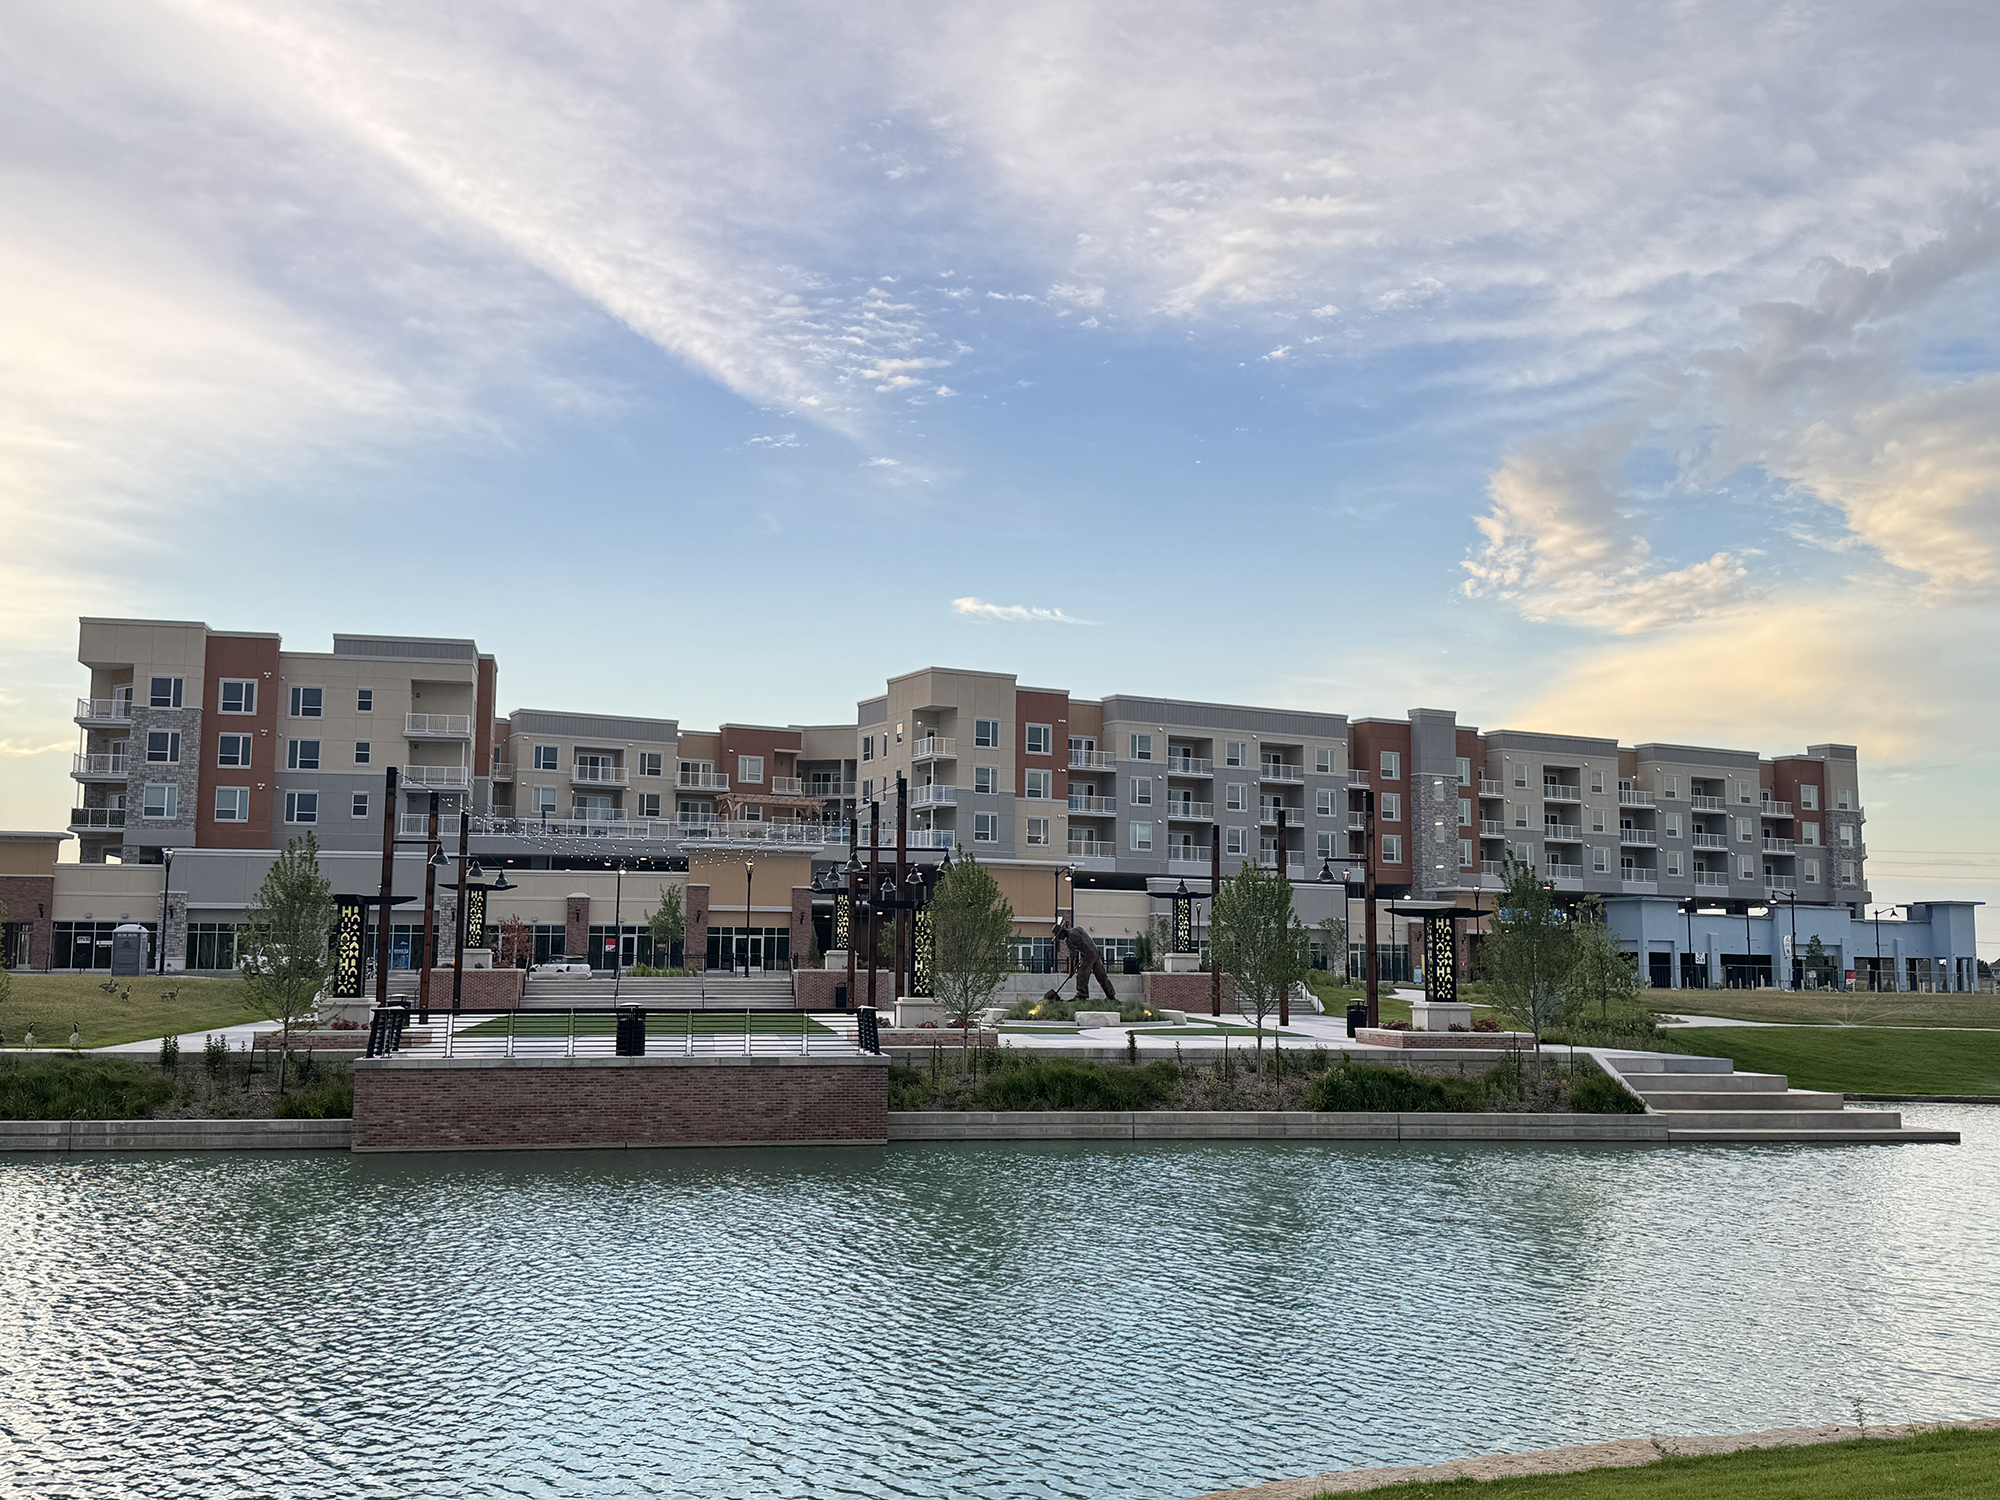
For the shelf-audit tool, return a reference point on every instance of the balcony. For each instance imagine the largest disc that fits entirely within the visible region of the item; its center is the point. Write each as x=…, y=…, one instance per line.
x=1357, y=778
x=104, y=710
x=933, y=747
x=1493, y=867
x=1357, y=822
x=934, y=795
x=1772, y=809
x=1278, y=770
x=1491, y=788
x=1091, y=849
x=437, y=726
x=827, y=787
x=1295, y=864
x=1189, y=765
x=1556, y=791
x=97, y=817
x=1191, y=812
x=1187, y=854
x=418, y=825
x=1711, y=841
x=1489, y=828
x=1639, y=883
x=1629, y=798
x=1563, y=833
x=787, y=786
x=1553, y=871
x=1711, y=878
x=1095, y=760
x=503, y=770
x=1640, y=838
x=702, y=781
x=1708, y=804
x=1092, y=807
x=595, y=773
x=1781, y=883
x=438, y=778
x=1779, y=846
x=99, y=768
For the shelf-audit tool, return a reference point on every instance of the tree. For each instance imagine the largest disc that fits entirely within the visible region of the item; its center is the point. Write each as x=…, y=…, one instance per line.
x=1259, y=942
x=517, y=944
x=284, y=939
x=971, y=923
x=1530, y=953
x=1600, y=972
x=1333, y=944
x=669, y=922
x=1817, y=961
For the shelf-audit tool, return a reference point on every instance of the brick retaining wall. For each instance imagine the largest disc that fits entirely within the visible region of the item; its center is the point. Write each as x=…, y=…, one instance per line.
x=526, y=1103
x=1188, y=992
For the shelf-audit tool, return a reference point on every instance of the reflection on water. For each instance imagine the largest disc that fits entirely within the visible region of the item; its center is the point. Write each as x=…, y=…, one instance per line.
x=999, y=1320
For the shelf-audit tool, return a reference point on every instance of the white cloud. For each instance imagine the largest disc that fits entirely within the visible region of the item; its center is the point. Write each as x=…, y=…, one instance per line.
x=979, y=609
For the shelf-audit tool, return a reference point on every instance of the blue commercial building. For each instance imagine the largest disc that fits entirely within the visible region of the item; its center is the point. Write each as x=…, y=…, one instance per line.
x=1681, y=945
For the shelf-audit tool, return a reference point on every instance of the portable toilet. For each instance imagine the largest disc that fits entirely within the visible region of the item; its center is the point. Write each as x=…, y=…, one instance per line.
x=129, y=942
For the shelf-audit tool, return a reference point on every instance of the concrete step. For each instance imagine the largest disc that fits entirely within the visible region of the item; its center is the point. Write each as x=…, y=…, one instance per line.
x=1709, y=1083
x=1787, y=1120
x=1634, y=1063
x=1853, y=1137
x=1677, y=1101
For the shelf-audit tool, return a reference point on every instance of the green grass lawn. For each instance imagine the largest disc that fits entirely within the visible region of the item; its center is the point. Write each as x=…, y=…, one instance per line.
x=1832, y=1007
x=658, y=1023
x=1952, y=1465
x=1858, y=1059
x=135, y=1010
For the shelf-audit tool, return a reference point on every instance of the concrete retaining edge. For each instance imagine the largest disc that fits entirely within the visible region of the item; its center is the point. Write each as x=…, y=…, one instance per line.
x=176, y=1135
x=1266, y=1125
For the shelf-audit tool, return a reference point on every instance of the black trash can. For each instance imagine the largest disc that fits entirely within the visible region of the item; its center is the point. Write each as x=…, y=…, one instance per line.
x=631, y=1031
x=1357, y=1017
x=1131, y=966
x=840, y=997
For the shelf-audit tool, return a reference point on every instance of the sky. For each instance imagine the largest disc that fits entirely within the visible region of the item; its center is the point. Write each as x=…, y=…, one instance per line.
x=1630, y=371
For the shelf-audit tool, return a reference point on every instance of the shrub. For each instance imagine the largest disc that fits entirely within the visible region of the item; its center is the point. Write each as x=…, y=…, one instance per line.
x=170, y=1053
x=214, y=1052
x=330, y=1099
x=1062, y=1083
x=1593, y=1092
x=79, y=1088
x=1360, y=1087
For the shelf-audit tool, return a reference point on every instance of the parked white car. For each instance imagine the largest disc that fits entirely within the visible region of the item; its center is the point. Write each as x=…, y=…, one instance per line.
x=561, y=966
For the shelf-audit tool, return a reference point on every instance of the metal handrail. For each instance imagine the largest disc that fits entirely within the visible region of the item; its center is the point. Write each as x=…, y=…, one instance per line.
x=554, y=1032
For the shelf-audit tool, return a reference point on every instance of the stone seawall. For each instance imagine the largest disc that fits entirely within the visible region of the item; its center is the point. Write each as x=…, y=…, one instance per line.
x=176, y=1135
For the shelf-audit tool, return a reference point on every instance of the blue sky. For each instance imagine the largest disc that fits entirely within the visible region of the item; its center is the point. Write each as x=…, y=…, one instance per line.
x=1575, y=368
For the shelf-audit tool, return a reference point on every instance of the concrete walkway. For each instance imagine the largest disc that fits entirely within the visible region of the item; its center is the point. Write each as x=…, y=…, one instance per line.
x=191, y=1042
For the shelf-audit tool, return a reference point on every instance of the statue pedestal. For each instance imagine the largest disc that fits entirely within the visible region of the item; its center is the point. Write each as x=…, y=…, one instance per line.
x=1182, y=963
x=835, y=959
x=1440, y=1015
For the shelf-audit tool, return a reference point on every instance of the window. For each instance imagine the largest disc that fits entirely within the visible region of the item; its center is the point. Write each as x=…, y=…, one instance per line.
x=1847, y=872
x=165, y=692
x=548, y=758
x=1521, y=775
x=361, y=752
x=358, y=807
x=163, y=747
x=867, y=747
x=1392, y=849
x=986, y=733
x=544, y=803
x=1597, y=781
x=1521, y=815
x=364, y=700
x=1038, y=830
x=986, y=778
x=1142, y=837
x=649, y=803
x=1844, y=800
x=1674, y=865
x=232, y=804
x=1041, y=739
x=750, y=768
x=1600, y=861
x=307, y=702
x=1323, y=761
x=211, y=945
x=1235, y=796
x=1464, y=812
x=1670, y=786
x=1232, y=841
x=302, y=755
x=1742, y=791
x=1323, y=803
x=1142, y=746
x=1746, y=869
x=1391, y=804
x=1041, y=785
x=302, y=807
x=868, y=790
x=1236, y=753
x=1847, y=835
x=239, y=695
x=1597, y=820
x=649, y=762
x=986, y=828
x=1325, y=847
x=1673, y=825
x=1812, y=871
x=1746, y=829
x=233, y=750
x=1142, y=791
x=1809, y=797
x=1809, y=834
x=1464, y=771
x=1392, y=765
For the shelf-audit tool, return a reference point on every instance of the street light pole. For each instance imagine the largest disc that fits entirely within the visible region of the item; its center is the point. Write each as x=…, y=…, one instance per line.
x=390, y=821
x=431, y=861
x=749, y=870
x=874, y=892
x=458, y=923
x=1284, y=995
x=166, y=880
x=618, y=933
x=1372, y=958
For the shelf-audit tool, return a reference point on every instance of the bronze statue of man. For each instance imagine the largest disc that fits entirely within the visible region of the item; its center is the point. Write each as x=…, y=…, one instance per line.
x=1084, y=961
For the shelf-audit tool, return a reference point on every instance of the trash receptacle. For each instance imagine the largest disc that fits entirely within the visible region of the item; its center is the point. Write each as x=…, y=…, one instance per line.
x=1131, y=965
x=840, y=997
x=631, y=1031
x=1357, y=1017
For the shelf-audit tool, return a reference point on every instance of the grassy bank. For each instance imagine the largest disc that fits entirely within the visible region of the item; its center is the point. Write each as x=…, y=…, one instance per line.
x=1948, y=1465
x=1833, y=1007
x=132, y=1010
x=1858, y=1059
x=68, y=1086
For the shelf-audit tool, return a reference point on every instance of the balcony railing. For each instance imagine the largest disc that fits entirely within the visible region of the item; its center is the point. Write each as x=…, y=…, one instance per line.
x=1711, y=841
x=702, y=781
x=118, y=710
x=787, y=786
x=1638, y=882
x=1094, y=760
x=1708, y=804
x=1188, y=854
x=1643, y=838
x=1295, y=817
x=1192, y=812
x=97, y=817
x=1711, y=877
x=1189, y=765
x=1556, y=791
x=1357, y=778
x=1357, y=822
x=503, y=770
x=1779, y=846
x=1092, y=807
x=1489, y=828
x=1555, y=871
x=587, y=773
x=1091, y=849
x=1781, y=882
x=935, y=747
x=411, y=825
x=1563, y=833
x=934, y=795
x=1493, y=867
x=698, y=827
x=437, y=726
x=109, y=767
x=1295, y=864
x=1775, y=809
x=825, y=787
x=1278, y=770
x=1491, y=788
x=1627, y=797
x=442, y=778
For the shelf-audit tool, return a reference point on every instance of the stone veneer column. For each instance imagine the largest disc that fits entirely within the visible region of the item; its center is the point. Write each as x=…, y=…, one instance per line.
x=695, y=949
x=30, y=899
x=802, y=924
x=576, y=928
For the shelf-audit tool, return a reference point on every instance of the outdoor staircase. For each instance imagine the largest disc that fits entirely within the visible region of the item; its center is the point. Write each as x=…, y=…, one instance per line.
x=1705, y=1099
x=676, y=992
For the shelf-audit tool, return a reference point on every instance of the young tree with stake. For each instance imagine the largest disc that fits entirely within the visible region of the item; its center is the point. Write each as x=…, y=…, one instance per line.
x=970, y=925
x=668, y=923
x=284, y=940
x=1530, y=954
x=1259, y=942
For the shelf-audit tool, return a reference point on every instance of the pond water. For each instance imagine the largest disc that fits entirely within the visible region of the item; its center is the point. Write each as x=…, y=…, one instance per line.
x=1070, y=1319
